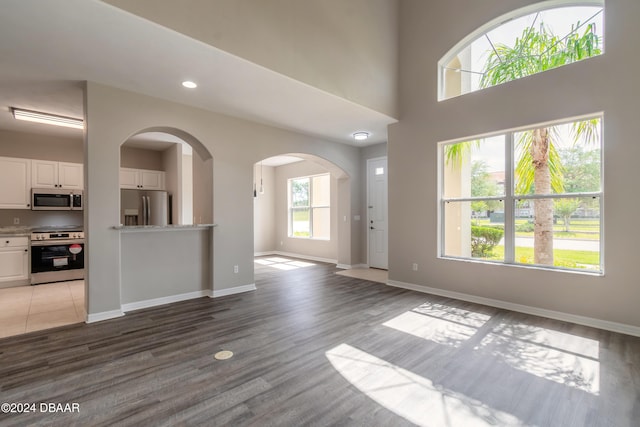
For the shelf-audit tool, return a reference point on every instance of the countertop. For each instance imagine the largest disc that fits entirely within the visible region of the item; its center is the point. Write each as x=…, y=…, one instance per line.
x=15, y=231
x=172, y=227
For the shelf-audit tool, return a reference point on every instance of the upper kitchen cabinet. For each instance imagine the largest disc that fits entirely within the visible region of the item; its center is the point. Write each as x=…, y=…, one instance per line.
x=15, y=176
x=142, y=179
x=48, y=174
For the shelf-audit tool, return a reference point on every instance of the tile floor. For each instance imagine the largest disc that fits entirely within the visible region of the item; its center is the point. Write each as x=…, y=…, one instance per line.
x=371, y=274
x=32, y=308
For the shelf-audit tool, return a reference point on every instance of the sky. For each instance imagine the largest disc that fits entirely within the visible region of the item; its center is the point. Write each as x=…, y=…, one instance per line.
x=558, y=20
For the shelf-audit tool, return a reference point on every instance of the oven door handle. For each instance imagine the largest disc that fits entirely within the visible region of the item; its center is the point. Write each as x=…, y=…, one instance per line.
x=56, y=242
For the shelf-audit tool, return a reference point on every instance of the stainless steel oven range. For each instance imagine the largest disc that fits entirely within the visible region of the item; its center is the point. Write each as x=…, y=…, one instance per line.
x=57, y=254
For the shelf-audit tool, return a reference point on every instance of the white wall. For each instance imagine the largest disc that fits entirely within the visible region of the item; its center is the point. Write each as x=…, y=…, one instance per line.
x=345, y=47
x=608, y=83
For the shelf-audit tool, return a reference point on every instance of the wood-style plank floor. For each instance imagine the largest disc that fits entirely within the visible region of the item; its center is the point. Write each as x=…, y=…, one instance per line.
x=315, y=348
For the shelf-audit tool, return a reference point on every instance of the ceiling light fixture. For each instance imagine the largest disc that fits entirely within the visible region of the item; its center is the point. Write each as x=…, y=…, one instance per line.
x=360, y=136
x=49, y=119
x=189, y=84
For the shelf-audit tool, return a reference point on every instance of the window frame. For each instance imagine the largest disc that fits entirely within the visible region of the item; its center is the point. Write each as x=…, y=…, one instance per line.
x=310, y=206
x=497, y=22
x=510, y=198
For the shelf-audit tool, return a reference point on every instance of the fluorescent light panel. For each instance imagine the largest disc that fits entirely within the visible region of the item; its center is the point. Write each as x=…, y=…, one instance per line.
x=49, y=119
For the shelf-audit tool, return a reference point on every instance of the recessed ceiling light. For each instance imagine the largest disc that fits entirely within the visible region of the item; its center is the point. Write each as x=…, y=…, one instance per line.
x=189, y=84
x=49, y=119
x=360, y=136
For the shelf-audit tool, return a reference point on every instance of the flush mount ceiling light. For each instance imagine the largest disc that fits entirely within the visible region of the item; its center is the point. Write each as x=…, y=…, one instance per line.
x=49, y=119
x=360, y=136
x=189, y=84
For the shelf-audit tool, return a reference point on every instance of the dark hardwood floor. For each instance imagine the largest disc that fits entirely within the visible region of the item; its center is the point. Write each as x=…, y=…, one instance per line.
x=315, y=348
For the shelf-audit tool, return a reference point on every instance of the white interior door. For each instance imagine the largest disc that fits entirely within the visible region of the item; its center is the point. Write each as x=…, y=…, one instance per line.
x=377, y=212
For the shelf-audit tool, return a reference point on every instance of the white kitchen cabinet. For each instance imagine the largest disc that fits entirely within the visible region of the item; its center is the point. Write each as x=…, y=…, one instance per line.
x=15, y=190
x=48, y=174
x=142, y=179
x=14, y=259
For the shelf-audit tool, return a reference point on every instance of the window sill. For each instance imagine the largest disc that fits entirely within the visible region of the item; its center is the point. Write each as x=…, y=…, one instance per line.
x=309, y=238
x=597, y=273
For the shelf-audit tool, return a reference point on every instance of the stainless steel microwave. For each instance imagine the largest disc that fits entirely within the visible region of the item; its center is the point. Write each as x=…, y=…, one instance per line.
x=49, y=199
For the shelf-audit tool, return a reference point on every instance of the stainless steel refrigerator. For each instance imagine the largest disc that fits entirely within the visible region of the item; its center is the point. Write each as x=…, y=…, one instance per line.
x=145, y=207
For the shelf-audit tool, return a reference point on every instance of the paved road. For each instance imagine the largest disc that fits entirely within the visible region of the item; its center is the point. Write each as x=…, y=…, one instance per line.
x=571, y=244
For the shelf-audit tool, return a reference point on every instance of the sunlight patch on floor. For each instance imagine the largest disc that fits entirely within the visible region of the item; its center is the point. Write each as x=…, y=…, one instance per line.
x=412, y=396
x=557, y=356
x=439, y=323
x=283, y=263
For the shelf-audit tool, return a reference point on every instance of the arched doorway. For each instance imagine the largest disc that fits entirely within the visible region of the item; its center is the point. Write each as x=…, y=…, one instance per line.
x=301, y=208
x=161, y=267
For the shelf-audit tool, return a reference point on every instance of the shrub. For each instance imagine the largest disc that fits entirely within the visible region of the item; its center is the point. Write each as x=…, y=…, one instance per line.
x=484, y=239
x=526, y=227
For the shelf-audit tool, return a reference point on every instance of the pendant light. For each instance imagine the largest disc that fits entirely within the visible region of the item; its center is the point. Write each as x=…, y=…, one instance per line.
x=261, y=185
x=255, y=194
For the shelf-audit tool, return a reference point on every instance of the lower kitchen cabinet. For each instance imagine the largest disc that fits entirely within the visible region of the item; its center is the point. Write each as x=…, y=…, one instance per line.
x=14, y=259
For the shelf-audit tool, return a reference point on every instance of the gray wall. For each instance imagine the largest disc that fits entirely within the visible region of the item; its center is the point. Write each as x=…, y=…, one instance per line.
x=38, y=218
x=348, y=48
x=42, y=147
x=172, y=165
x=139, y=158
x=180, y=267
x=608, y=83
x=112, y=115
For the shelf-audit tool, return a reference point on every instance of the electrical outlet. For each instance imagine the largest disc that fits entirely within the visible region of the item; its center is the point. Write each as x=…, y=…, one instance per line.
x=415, y=267
x=16, y=221
x=235, y=269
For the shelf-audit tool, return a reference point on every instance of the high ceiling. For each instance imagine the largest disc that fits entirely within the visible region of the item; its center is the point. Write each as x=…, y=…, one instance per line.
x=48, y=48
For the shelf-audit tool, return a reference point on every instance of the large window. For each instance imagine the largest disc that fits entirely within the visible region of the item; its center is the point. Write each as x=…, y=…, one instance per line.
x=522, y=43
x=310, y=207
x=530, y=196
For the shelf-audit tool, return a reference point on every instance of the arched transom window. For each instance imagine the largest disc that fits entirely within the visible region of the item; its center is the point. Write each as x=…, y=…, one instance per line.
x=528, y=41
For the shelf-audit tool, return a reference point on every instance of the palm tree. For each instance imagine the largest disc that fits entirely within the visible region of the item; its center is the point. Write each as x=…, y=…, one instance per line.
x=539, y=163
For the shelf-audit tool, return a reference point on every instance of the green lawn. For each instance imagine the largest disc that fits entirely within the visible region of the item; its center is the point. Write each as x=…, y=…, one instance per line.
x=562, y=257
x=585, y=229
x=301, y=223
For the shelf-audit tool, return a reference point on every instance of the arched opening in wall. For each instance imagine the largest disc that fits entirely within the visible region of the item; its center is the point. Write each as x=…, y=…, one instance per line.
x=166, y=208
x=301, y=203
x=166, y=163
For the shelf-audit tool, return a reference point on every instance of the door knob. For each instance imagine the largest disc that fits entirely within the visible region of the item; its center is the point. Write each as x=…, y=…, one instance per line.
x=372, y=228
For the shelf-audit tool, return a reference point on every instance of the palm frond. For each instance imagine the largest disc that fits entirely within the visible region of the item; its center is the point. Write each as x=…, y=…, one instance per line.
x=456, y=154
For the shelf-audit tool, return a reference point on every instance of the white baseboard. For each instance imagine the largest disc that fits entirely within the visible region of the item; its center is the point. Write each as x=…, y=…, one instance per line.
x=349, y=267
x=105, y=315
x=263, y=253
x=557, y=315
x=164, y=300
x=236, y=290
x=292, y=255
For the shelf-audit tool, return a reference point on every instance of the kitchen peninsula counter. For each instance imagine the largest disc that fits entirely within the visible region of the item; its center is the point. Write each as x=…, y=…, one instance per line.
x=172, y=227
